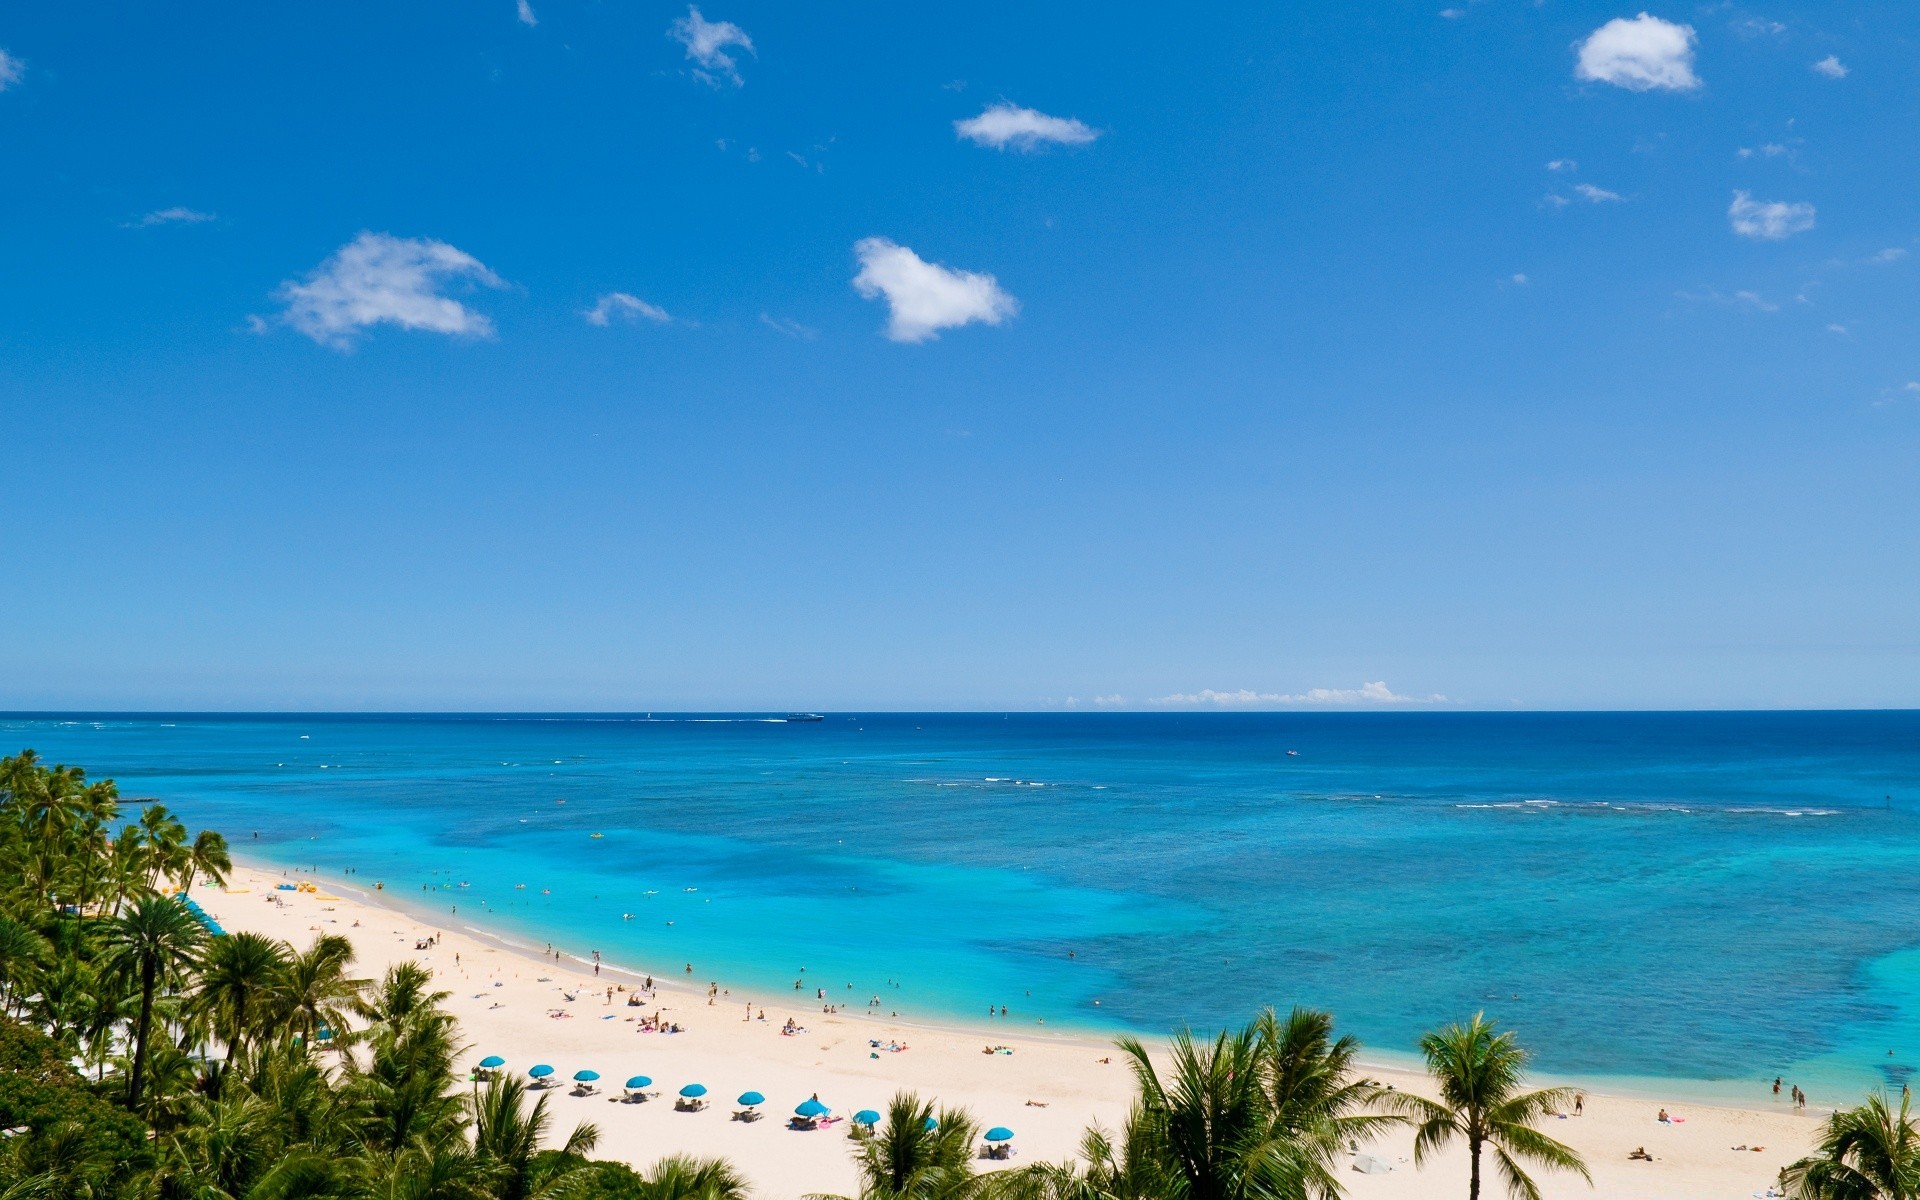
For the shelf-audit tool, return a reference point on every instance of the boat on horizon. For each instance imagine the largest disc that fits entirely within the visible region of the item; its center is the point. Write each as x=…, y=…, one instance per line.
x=791, y=718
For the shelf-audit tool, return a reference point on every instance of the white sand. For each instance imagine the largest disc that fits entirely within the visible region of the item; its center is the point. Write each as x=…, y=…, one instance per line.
x=502, y=1002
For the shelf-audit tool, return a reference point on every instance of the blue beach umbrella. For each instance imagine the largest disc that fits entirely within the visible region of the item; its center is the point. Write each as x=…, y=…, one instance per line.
x=749, y=1099
x=585, y=1076
x=999, y=1133
x=694, y=1091
x=812, y=1108
x=493, y=1060
x=932, y=1124
x=640, y=1081
x=866, y=1116
x=541, y=1071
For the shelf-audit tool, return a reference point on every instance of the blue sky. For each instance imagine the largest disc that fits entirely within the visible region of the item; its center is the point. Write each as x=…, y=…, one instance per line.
x=607, y=354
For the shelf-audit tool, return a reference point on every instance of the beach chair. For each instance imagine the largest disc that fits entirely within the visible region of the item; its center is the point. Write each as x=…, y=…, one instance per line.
x=806, y=1124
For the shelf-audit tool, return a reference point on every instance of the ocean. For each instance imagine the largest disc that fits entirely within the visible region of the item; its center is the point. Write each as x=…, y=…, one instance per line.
x=1651, y=899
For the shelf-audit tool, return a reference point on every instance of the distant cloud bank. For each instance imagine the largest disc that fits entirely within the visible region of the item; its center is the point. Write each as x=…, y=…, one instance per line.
x=1642, y=54
x=380, y=279
x=1367, y=694
x=1006, y=125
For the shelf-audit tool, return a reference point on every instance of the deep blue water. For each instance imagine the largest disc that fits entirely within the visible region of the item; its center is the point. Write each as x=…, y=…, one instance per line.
x=1710, y=896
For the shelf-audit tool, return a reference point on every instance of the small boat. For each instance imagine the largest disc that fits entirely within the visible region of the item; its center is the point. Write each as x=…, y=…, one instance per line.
x=794, y=718
x=1293, y=754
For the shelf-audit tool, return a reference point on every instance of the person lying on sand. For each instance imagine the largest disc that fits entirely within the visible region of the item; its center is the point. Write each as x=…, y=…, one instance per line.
x=1639, y=1154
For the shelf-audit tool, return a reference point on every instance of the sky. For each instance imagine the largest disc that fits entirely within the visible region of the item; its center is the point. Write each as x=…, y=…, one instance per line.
x=622, y=355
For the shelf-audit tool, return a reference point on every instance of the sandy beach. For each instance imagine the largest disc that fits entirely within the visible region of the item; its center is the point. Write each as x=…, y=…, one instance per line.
x=1047, y=1089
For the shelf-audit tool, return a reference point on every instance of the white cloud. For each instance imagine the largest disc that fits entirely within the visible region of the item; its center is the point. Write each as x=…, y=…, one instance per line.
x=1563, y=164
x=170, y=216
x=1892, y=254
x=1837, y=328
x=12, y=70
x=925, y=297
x=1750, y=300
x=789, y=326
x=1597, y=195
x=524, y=11
x=1376, y=693
x=707, y=41
x=620, y=304
x=381, y=279
x=1453, y=14
x=1641, y=55
x=1521, y=280
x=1768, y=220
x=1003, y=124
x=1831, y=67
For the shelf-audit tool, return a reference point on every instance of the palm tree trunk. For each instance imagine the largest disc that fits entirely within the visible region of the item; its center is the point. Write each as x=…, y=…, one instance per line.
x=140, y=1033
x=1473, y=1175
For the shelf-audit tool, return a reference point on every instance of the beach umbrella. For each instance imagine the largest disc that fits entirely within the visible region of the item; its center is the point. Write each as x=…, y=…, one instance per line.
x=493, y=1060
x=812, y=1108
x=932, y=1124
x=999, y=1133
x=541, y=1071
x=694, y=1091
x=866, y=1116
x=749, y=1099
x=585, y=1076
x=639, y=1081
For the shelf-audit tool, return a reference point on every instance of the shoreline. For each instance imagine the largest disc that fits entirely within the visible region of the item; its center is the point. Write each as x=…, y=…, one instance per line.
x=1048, y=1085
x=1717, y=1093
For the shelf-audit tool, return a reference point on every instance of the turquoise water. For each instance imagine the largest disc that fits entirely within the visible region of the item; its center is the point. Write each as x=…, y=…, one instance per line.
x=1718, y=897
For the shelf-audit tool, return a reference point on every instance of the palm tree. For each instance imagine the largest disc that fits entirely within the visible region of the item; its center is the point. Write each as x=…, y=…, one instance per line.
x=1865, y=1153
x=684, y=1177
x=919, y=1154
x=208, y=856
x=1315, y=1096
x=165, y=839
x=1479, y=1071
x=243, y=980
x=1107, y=1170
x=507, y=1137
x=1208, y=1128
x=22, y=953
x=155, y=942
x=318, y=989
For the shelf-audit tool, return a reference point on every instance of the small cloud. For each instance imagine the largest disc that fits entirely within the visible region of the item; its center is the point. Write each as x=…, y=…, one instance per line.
x=954, y=85
x=753, y=154
x=1756, y=27
x=1597, y=195
x=381, y=279
x=1555, y=200
x=524, y=11
x=170, y=216
x=1453, y=14
x=707, y=41
x=12, y=70
x=1831, y=67
x=1367, y=694
x=1749, y=300
x=790, y=327
x=924, y=298
x=1002, y=125
x=1563, y=164
x=1892, y=254
x=1521, y=279
x=1768, y=220
x=1837, y=328
x=257, y=325
x=1642, y=54
x=624, y=306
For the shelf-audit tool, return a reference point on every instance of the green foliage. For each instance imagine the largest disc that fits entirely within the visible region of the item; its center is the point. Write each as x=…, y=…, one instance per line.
x=1867, y=1153
x=90, y=1145
x=1479, y=1070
